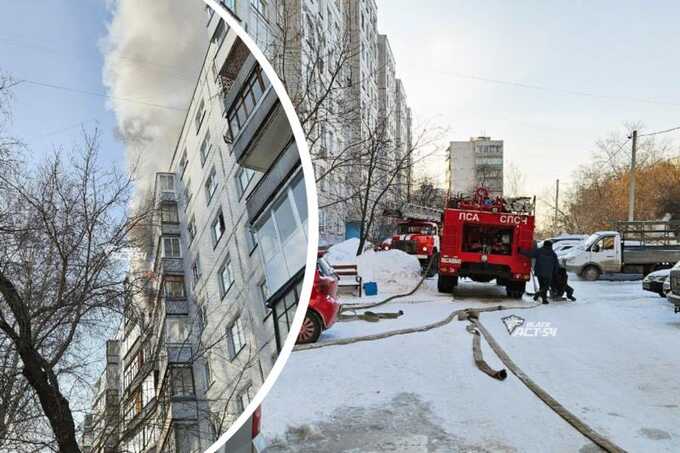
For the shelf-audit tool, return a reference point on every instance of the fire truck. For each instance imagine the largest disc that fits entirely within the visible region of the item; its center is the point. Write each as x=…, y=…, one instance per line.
x=417, y=233
x=481, y=237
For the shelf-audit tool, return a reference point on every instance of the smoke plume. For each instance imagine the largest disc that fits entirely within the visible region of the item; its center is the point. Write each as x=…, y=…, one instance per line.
x=152, y=57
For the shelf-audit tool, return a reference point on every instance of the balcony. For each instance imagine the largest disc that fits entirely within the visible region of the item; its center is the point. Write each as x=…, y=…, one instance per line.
x=270, y=184
x=265, y=134
x=169, y=266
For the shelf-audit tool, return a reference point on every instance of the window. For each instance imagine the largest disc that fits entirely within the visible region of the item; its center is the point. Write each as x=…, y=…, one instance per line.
x=182, y=382
x=607, y=243
x=183, y=163
x=235, y=338
x=264, y=290
x=171, y=247
x=174, y=287
x=225, y=277
x=187, y=193
x=133, y=368
x=148, y=390
x=284, y=226
x=260, y=6
x=202, y=316
x=177, y=330
x=251, y=240
x=220, y=33
x=243, y=106
x=196, y=268
x=167, y=183
x=230, y=4
x=218, y=227
x=205, y=147
x=191, y=228
x=245, y=397
x=169, y=213
x=243, y=178
x=211, y=184
x=207, y=369
x=200, y=114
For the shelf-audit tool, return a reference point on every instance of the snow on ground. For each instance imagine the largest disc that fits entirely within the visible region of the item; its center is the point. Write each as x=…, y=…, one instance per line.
x=392, y=270
x=613, y=362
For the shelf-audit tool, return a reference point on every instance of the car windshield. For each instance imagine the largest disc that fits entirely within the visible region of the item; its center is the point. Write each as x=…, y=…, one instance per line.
x=591, y=240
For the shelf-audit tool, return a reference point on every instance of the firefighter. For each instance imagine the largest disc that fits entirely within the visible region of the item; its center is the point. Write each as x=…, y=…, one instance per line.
x=560, y=285
x=545, y=265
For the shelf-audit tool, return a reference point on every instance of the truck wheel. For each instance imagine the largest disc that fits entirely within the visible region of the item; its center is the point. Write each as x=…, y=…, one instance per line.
x=515, y=290
x=311, y=328
x=434, y=266
x=445, y=284
x=591, y=273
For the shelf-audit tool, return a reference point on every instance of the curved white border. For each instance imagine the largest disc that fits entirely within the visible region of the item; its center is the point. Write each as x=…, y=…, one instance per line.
x=312, y=222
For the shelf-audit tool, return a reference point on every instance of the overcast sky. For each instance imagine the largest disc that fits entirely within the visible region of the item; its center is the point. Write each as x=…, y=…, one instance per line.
x=618, y=51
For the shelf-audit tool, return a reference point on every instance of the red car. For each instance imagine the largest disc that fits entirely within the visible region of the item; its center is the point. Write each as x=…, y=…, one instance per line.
x=323, y=308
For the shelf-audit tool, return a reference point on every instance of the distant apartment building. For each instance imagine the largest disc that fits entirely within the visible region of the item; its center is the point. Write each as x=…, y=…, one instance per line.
x=476, y=163
x=224, y=266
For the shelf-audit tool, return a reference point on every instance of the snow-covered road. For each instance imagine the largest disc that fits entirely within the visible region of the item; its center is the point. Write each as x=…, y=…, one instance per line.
x=613, y=362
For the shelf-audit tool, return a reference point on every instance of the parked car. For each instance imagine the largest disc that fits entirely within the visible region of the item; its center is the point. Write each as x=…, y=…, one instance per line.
x=674, y=293
x=323, y=308
x=654, y=281
x=563, y=247
x=248, y=438
x=384, y=245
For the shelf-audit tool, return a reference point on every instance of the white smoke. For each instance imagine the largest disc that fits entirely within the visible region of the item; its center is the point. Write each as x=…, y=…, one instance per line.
x=152, y=57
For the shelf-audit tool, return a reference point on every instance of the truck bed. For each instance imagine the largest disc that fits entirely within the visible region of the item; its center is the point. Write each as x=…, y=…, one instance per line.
x=647, y=254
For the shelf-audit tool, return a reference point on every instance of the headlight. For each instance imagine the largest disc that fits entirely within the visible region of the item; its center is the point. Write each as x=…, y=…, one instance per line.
x=660, y=278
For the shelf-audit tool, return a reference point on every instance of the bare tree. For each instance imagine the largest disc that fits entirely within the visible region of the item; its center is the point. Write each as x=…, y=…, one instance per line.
x=360, y=165
x=65, y=230
x=427, y=192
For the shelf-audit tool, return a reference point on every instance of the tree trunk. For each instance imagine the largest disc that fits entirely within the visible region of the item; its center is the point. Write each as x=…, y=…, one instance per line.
x=54, y=404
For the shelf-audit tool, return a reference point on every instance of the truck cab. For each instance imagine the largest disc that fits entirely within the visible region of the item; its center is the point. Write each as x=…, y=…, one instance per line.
x=600, y=253
x=420, y=238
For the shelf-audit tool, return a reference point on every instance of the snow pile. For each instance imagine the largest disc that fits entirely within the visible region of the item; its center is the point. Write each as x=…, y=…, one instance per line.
x=393, y=270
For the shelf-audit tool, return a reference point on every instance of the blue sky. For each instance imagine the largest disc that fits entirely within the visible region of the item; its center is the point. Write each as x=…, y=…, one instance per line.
x=56, y=42
x=619, y=50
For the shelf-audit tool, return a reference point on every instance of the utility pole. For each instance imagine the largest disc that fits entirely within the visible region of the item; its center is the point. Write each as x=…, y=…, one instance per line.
x=631, y=184
x=557, y=201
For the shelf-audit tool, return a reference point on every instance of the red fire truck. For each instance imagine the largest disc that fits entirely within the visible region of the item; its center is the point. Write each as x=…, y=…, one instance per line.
x=417, y=234
x=481, y=238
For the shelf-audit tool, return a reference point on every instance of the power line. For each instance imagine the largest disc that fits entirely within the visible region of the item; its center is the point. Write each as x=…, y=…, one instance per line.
x=66, y=128
x=665, y=131
x=170, y=70
x=98, y=94
x=615, y=153
x=557, y=90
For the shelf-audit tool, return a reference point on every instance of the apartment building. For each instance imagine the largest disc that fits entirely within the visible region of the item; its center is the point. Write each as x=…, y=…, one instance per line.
x=223, y=269
x=474, y=163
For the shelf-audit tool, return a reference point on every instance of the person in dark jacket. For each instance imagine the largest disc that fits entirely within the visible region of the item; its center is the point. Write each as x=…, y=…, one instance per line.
x=545, y=266
x=560, y=285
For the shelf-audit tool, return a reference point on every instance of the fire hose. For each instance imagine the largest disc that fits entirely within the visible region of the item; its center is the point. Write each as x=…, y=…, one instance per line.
x=544, y=396
x=477, y=330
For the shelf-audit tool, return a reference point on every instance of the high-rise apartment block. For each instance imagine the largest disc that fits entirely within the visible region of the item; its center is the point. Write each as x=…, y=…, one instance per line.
x=476, y=163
